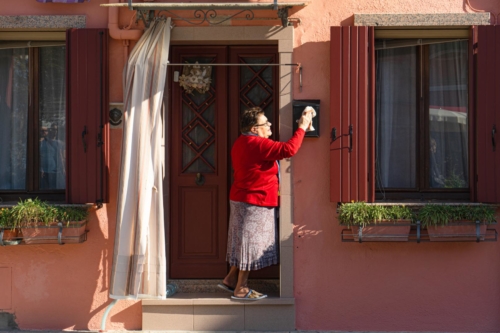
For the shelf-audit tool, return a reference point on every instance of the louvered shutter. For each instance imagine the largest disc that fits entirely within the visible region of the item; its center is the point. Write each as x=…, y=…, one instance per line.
x=352, y=147
x=86, y=109
x=488, y=114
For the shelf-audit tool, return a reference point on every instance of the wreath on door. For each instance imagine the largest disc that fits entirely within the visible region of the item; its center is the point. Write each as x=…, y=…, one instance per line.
x=196, y=77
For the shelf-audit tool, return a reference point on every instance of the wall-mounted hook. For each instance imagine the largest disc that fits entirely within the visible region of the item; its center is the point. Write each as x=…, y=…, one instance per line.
x=300, y=78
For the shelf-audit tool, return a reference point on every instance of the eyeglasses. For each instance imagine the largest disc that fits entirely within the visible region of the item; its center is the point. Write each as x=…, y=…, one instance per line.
x=268, y=124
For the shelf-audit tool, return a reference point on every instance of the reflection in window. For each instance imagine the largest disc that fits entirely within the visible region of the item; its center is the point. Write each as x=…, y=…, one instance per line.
x=421, y=115
x=448, y=144
x=52, y=120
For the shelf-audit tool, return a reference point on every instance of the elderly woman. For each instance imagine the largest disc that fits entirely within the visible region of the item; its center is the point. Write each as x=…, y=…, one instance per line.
x=253, y=197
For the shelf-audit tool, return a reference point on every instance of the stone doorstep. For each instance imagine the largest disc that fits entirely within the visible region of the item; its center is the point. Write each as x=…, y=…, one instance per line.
x=218, y=312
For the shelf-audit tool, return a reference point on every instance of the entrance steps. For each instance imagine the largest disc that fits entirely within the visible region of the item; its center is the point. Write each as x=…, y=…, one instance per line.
x=199, y=305
x=218, y=312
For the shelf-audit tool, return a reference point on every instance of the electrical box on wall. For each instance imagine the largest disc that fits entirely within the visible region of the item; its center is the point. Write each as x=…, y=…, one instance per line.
x=298, y=108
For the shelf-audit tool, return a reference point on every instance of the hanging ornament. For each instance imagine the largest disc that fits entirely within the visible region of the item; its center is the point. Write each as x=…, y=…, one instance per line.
x=196, y=77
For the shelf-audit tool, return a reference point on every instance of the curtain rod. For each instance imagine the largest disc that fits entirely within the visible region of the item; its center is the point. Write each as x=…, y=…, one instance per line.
x=186, y=64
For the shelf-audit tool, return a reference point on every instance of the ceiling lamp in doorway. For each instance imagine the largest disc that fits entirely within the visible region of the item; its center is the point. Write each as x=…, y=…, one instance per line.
x=196, y=77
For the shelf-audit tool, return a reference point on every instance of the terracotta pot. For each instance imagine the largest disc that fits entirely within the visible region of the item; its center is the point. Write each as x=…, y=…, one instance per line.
x=11, y=236
x=71, y=233
x=456, y=231
x=384, y=231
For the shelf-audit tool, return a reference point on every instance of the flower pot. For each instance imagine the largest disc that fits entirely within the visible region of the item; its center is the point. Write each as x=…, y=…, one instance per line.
x=11, y=237
x=456, y=231
x=383, y=231
x=71, y=233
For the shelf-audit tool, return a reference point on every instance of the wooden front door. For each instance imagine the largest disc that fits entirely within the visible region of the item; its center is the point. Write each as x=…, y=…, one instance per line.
x=202, y=129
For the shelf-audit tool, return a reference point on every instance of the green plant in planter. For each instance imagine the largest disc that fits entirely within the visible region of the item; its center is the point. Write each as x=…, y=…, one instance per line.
x=5, y=219
x=32, y=213
x=443, y=214
x=359, y=213
x=68, y=214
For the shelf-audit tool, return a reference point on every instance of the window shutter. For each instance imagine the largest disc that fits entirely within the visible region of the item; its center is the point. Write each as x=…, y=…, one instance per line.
x=86, y=110
x=488, y=114
x=352, y=91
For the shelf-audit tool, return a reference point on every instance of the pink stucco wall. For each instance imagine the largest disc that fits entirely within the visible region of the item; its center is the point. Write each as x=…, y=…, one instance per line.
x=376, y=287
x=338, y=286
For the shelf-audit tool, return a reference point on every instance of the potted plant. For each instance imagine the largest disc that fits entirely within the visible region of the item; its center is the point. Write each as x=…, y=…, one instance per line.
x=40, y=222
x=9, y=234
x=74, y=222
x=456, y=222
x=376, y=222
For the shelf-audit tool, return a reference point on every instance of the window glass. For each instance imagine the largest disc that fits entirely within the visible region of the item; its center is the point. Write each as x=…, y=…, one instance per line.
x=52, y=118
x=396, y=117
x=421, y=116
x=448, y=136
x=32, y=122
x=14, y=85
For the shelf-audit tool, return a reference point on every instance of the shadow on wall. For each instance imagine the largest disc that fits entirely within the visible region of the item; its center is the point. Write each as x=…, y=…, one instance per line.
x=56, y=286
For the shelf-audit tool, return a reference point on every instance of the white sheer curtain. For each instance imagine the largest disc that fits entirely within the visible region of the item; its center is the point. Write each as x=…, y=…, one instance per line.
x=14, y=85
x=448, y=121
x=395, y=114
x=139, y=261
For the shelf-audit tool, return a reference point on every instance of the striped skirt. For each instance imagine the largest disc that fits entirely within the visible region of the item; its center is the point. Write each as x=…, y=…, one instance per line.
x=252, y=237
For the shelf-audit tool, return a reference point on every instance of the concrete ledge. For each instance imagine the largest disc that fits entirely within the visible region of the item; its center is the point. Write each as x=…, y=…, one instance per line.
x=441, y=19
x=43, y=21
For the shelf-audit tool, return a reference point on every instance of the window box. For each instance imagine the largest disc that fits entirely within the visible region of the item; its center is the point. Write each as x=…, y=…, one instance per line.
x=42, y=223
x=383, y=231
x=376, y=223
x=456, y=222
x=397, y=222
x=458, y=231
x=55, y=233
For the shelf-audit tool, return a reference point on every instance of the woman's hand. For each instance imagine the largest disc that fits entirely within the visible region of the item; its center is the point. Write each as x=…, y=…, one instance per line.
x=305, y=120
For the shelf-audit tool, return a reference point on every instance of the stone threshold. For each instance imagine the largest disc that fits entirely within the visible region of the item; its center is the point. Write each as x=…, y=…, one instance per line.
x=209, y=286
x=216, y=299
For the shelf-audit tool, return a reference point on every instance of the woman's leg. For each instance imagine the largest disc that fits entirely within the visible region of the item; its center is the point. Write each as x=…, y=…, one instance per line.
x=231, y=278
x=242, y=286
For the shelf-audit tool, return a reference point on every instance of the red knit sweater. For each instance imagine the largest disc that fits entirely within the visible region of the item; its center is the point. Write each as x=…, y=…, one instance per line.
x=255, y=168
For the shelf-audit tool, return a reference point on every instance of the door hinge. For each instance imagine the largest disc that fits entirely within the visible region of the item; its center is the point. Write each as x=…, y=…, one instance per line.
x=99, y=137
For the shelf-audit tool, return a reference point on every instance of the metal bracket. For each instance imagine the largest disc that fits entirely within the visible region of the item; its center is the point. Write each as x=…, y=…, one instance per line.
x=283, y=15
x=360, y=234
x=478, y=231
x=59, y=233
x=1, y=238
x=418, y=231
x=146, y=15
x=200, y=16
x=334, y=137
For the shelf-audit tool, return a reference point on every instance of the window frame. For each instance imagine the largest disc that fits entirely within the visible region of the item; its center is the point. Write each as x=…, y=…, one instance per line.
x=423, y=191
x=33, y=39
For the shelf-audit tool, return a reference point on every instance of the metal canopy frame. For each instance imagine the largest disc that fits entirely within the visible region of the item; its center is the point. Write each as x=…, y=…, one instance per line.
x=207, y=12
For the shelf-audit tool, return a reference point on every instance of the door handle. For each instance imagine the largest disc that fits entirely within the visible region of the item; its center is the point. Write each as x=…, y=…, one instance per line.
x=493, y=132
x=199, y=179
x=84, y=133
